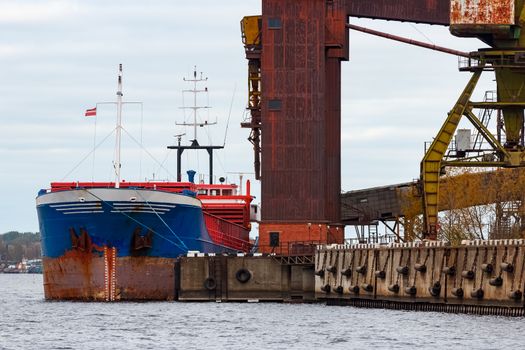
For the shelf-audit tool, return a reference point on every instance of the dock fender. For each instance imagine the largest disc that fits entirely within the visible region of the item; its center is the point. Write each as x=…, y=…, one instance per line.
x=367, y=287
x=458, y=292
x=420, y=267
x=435, y=289
x=516, y=295
x=477, y=293
x=210, y=283
x=412, y=290
x=402, y=270
x=381, y=274
x=488, y=268
x=326, y=288
x=243, y=275
x=347, y=272
x=449, y=270
x=320, y=273
x=507, y=267
x=394, y=288
x=468, y=274
x=361, y=269
x=496, y=281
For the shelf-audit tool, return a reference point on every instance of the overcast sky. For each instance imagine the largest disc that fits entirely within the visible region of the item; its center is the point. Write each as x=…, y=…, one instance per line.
x=58, y=58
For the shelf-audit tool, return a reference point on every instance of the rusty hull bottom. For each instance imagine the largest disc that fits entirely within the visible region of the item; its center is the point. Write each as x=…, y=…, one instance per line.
x=89, y=277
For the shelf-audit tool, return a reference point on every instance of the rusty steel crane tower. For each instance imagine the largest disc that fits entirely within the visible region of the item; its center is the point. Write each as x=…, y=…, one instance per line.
x=295, y=50
x=501, y=25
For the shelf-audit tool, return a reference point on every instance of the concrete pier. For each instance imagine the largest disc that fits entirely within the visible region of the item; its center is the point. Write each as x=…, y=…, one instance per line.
x=202, y=277
x=477, y=277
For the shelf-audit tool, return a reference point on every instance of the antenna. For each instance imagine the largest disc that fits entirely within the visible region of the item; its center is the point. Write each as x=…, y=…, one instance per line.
x=195, y=108
x=179, y=137
x=229, y=115
x=119, y=128
x=194, y=143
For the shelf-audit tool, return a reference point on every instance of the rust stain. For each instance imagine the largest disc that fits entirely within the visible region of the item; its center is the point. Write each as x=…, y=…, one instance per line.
x=73, y=276
x=497, y=12
x=92, y=277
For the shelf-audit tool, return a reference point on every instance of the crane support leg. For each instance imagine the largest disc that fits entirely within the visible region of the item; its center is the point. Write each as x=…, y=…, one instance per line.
x=431, y=164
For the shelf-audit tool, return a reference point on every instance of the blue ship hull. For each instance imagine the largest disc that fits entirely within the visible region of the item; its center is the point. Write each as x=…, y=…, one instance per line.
x=175, y=225
x=118, y=244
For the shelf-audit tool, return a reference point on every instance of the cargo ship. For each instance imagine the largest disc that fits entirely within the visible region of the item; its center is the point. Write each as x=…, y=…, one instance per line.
x=106, y=241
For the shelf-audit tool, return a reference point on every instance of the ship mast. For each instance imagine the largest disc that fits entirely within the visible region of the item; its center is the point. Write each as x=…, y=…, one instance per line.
x=118, y=129
x=196, y=80
x=194, y=143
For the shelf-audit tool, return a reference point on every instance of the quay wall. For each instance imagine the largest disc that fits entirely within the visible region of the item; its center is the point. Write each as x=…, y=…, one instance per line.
x=200, y=277
x=476, y=273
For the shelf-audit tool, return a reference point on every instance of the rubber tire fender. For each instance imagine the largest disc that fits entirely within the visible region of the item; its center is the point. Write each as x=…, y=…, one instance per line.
x=243, y=275
x=210, y=283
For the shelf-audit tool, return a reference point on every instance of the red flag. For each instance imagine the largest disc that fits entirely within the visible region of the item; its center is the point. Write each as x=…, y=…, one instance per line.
x=91, y=112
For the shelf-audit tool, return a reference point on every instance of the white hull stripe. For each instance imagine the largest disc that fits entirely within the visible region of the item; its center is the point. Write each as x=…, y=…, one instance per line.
x=130, y=207
x=77, y=208
x=113, y=211
x=84, y=204
x=142, y=204
x=84, y=212
x=139, y=211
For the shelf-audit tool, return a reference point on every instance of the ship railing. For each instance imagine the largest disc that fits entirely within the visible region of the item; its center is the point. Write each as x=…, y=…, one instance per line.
x=293, y=248
x=227, y=233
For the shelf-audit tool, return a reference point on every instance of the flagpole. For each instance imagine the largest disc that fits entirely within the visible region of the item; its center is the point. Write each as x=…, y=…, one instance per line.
x=94, y=146
x=118, y=129
x=141, y=145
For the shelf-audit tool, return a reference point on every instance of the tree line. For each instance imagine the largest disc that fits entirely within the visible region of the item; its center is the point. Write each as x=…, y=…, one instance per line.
x=14, y=246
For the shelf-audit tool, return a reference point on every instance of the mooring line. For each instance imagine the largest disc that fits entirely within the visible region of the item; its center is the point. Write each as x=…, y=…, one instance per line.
x=162, y=220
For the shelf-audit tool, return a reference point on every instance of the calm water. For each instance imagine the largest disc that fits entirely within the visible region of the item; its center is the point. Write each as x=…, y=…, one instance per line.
x=29, y=322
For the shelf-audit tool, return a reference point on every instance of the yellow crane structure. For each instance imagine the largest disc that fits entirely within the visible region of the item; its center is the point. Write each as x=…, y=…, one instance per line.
x=251, y=27
x=501, y=25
